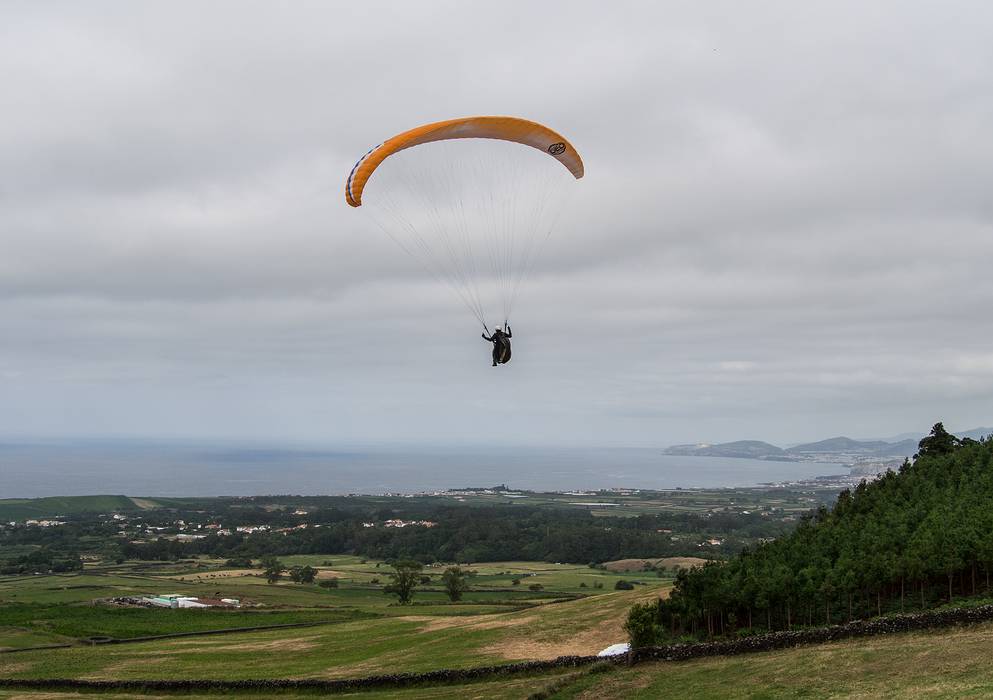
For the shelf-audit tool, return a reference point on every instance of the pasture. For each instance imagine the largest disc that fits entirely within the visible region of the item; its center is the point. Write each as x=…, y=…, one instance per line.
x=353, y=630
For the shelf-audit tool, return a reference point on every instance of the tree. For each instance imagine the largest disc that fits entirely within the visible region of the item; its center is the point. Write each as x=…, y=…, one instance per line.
x=404, y=580
x=456, y=583
x=643, y=626
x=928, y=523
x=939, y=442
x=303, y=574
x=239, y=563
x=273, y=569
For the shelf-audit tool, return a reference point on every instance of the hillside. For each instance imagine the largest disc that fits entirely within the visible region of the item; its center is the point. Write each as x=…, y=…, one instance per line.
x=837, y=444
x=940, y=665
x=751, y=449
x=839, y=449
x=557, y=610
x=846, y=445
x=943, y=664
x=912, y=539
x=22, y=508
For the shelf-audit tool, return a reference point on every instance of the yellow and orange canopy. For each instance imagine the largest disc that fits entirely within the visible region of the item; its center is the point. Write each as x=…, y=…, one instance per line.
x=513, y=129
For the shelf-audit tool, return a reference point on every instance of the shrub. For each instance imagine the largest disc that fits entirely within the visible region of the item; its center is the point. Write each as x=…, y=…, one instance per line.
x=642, y=624
x=239, y=563
x=454, y=580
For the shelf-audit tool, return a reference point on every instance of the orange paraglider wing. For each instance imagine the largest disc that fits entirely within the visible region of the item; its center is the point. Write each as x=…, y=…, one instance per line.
x=513, y=129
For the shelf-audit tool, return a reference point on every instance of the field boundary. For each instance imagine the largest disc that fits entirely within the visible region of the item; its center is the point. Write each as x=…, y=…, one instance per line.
x=99, y=641
x=398, y=680
x=895, y=624
x=38, y=648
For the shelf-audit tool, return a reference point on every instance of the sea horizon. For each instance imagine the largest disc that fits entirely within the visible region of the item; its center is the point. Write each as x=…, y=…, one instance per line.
x=65, y=467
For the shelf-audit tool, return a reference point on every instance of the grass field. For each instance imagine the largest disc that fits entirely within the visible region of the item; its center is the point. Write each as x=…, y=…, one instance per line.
x=938, y=664
x=496, y=623
x=574, y=610
x=410, y=642
x=942, y=665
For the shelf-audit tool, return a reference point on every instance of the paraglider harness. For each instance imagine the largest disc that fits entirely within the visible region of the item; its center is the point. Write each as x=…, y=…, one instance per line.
x=501, y=344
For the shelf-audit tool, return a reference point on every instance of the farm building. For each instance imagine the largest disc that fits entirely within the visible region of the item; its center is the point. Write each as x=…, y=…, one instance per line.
x=174, y=600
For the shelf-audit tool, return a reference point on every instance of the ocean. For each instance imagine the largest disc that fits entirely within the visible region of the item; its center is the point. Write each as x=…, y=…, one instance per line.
x=135, y=468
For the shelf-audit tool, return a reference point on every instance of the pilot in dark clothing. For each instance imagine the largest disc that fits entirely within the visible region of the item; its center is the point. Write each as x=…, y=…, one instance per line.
x=501, y=345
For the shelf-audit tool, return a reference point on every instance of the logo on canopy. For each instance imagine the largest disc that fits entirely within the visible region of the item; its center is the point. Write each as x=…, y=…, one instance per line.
x=557, y=148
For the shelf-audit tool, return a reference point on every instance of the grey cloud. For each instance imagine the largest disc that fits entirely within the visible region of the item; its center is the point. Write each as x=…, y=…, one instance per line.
x=784, y=231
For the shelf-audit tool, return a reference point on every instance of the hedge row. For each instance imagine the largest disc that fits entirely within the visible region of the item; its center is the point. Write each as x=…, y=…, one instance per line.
x=782, y=640
x=202, y=633
x=37, y=648
x=173, y=635
x=395, y=680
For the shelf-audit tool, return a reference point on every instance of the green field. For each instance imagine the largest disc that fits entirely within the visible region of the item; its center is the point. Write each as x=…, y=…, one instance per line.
x=942, y=665
x=939, y=664
x=366, y=634
x=574, y=610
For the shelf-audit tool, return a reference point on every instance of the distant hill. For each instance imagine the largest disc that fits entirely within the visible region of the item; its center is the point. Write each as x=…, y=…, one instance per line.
x=846, y=445
x=836, y=444
x=836, y=447
x=904, y=448
x=975, y=433
x=25, y=508
x=751, y=449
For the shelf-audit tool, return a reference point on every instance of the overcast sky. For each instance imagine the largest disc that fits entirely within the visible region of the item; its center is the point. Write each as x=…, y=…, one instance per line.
x=785, y=231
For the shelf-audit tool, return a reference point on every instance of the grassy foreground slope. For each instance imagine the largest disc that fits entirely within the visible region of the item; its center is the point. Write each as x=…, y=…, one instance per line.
x=936, y=664
x=939, y=664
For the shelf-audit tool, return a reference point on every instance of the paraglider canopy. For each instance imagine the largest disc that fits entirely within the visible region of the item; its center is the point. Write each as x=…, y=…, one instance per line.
x=474, y=204
x=513, y=129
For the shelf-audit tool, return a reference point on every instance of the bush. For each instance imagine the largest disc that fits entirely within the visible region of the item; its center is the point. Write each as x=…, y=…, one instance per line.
x=303, y=574
x=239, y=563
x=642, y=625
x=454, y=580
x=273, y=569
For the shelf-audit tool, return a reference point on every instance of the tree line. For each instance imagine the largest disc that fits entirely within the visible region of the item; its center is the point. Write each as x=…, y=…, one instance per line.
x=914, y=538
x=468, y=534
